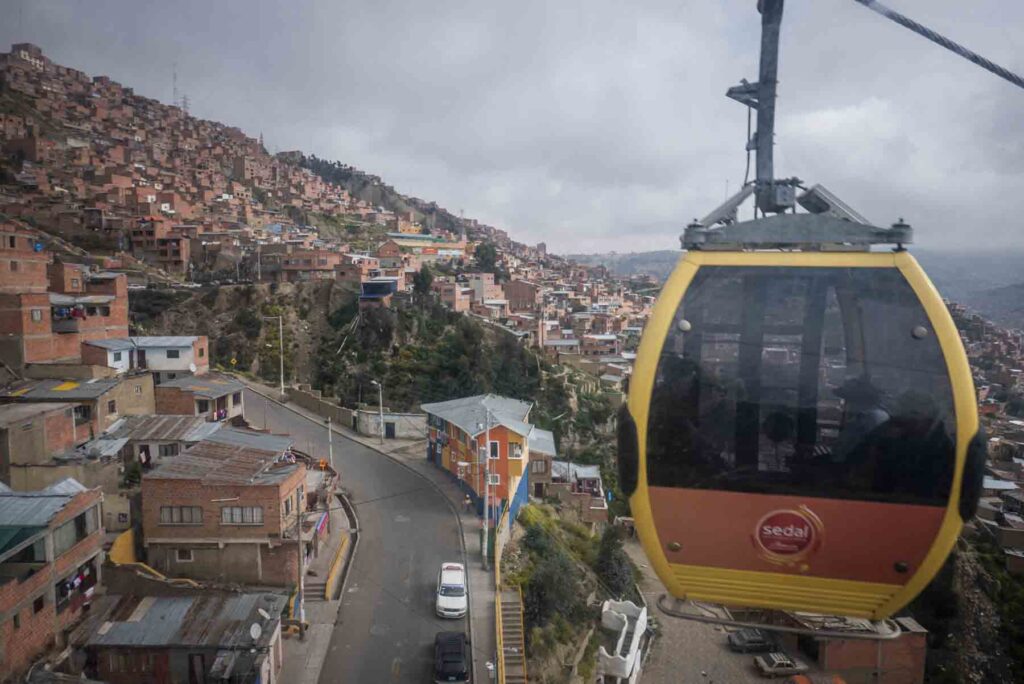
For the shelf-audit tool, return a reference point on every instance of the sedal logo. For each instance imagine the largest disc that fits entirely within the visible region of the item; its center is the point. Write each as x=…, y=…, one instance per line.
x=788, y=535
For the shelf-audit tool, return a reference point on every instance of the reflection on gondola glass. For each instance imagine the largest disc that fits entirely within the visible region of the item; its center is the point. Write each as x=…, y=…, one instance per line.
x=804, y=381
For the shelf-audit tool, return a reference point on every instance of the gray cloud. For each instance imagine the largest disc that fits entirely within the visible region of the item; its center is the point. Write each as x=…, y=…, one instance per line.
x=592, y=125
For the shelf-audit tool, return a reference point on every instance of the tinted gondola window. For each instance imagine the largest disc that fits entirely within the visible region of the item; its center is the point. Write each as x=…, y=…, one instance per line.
x=805, y=381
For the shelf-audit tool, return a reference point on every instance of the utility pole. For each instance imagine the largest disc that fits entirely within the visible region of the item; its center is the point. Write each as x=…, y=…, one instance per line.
x=380, y=406
x=280, y=352
x=301, y=565
x=330, y=443
x=487, y=484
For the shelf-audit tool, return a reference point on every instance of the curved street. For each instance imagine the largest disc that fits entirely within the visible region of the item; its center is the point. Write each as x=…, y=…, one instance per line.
x=386, y=624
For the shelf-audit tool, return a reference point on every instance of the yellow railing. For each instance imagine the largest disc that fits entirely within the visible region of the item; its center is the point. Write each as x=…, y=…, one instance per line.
x=501, y=645
x=336, y=565
x=122, y=552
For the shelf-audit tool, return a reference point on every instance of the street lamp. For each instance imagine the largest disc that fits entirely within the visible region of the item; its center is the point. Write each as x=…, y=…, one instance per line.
x=280, y=353
x=380, y=406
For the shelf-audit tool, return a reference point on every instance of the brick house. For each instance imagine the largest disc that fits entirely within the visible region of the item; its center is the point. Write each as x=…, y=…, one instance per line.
x=47, y=309
x=182, y=638
x=98, y=402
x=225, y=509
x=600, y=345
x=214, y=396
x=51, y=553
x=167, y=357
x=33, y=433
x=454, y=295
x=457, y=432
x=521, y=295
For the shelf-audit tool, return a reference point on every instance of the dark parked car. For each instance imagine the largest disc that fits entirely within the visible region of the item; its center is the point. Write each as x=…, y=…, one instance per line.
x=451, y=663
x=751, y=641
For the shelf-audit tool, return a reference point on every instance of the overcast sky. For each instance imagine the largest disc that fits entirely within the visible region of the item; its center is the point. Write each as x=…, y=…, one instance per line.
x=592, y=125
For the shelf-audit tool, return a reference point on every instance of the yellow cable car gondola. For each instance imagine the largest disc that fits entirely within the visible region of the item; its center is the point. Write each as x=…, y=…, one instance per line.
x=804, y=426
x=801, y=431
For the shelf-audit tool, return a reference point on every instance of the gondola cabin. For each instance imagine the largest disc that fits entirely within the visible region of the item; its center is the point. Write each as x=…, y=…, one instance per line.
x=798, y=429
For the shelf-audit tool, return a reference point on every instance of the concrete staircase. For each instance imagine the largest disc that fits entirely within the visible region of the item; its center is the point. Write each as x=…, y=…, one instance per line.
x=315, y=589
x=513, y=640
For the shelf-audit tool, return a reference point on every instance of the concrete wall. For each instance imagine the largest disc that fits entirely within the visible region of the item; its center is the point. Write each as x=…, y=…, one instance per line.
x=239, y=563
x=367, y=422
x=68, y=371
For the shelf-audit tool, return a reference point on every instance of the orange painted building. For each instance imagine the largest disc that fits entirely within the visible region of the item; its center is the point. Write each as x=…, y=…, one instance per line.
x=461, y=431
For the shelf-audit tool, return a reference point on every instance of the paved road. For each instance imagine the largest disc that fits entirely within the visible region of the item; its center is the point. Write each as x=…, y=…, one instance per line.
x=386, y=624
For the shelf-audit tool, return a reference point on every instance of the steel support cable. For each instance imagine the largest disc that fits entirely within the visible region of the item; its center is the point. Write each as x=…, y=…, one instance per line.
x=943, y=41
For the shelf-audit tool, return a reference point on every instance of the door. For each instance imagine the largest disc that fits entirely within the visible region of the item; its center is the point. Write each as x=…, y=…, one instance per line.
x=141, y=356
x=538, y=490
x=144, y=458
x=389, y=430
x=196, y=669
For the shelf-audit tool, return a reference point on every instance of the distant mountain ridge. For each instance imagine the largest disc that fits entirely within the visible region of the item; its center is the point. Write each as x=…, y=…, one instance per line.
x=991, y=283
x=657, y=264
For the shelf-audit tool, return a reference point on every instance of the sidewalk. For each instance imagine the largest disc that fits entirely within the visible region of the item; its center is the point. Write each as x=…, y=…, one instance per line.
x=303, y=659
x=411, y=453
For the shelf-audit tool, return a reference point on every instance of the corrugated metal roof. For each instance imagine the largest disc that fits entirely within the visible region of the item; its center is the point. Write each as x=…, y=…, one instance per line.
x=543, y=442
x=162, y=428
x=208, y=386
x=249, y=438
x=470, y=413
x=57, y=299
x=207, y=621
x=11, y=414
x=164, y=341
x=224, y=462
x=112, y=344
x=62, y=390
x=36, y=509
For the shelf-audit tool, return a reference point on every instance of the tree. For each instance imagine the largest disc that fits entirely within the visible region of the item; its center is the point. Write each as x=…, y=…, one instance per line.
x=422, y=281
x=612, y=565
x=486, y=256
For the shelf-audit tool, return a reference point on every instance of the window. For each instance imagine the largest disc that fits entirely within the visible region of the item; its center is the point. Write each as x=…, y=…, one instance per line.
x=181, y=515
x=137, y=389
x=117, y=356
x=202, y=406
x=236, y=399
x=540, y=466
x=803, y=382
x=173, y=353
x=111, y=406
x=37, y=315
x=17, y=620
x=202, y=352
x=12, y=242
x=14, y=266
x=83, y=414
x=288, y=505
x=183, y=555
x=515, y=450
x=168, y=450
x=494, y=479
x=38, y=604
x=74, y=282
x=74, y=531
x=495, y=450
x=241, y=515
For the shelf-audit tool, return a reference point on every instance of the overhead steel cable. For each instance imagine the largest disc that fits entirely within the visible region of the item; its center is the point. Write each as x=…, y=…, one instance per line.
x=917, y=28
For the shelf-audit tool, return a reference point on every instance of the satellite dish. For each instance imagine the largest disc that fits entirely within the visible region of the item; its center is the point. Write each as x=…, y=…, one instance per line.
x=255, y=631
x=264, y=614
x=191, y=368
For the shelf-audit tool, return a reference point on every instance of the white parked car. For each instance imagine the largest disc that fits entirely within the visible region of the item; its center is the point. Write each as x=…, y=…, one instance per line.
x=452, y=599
